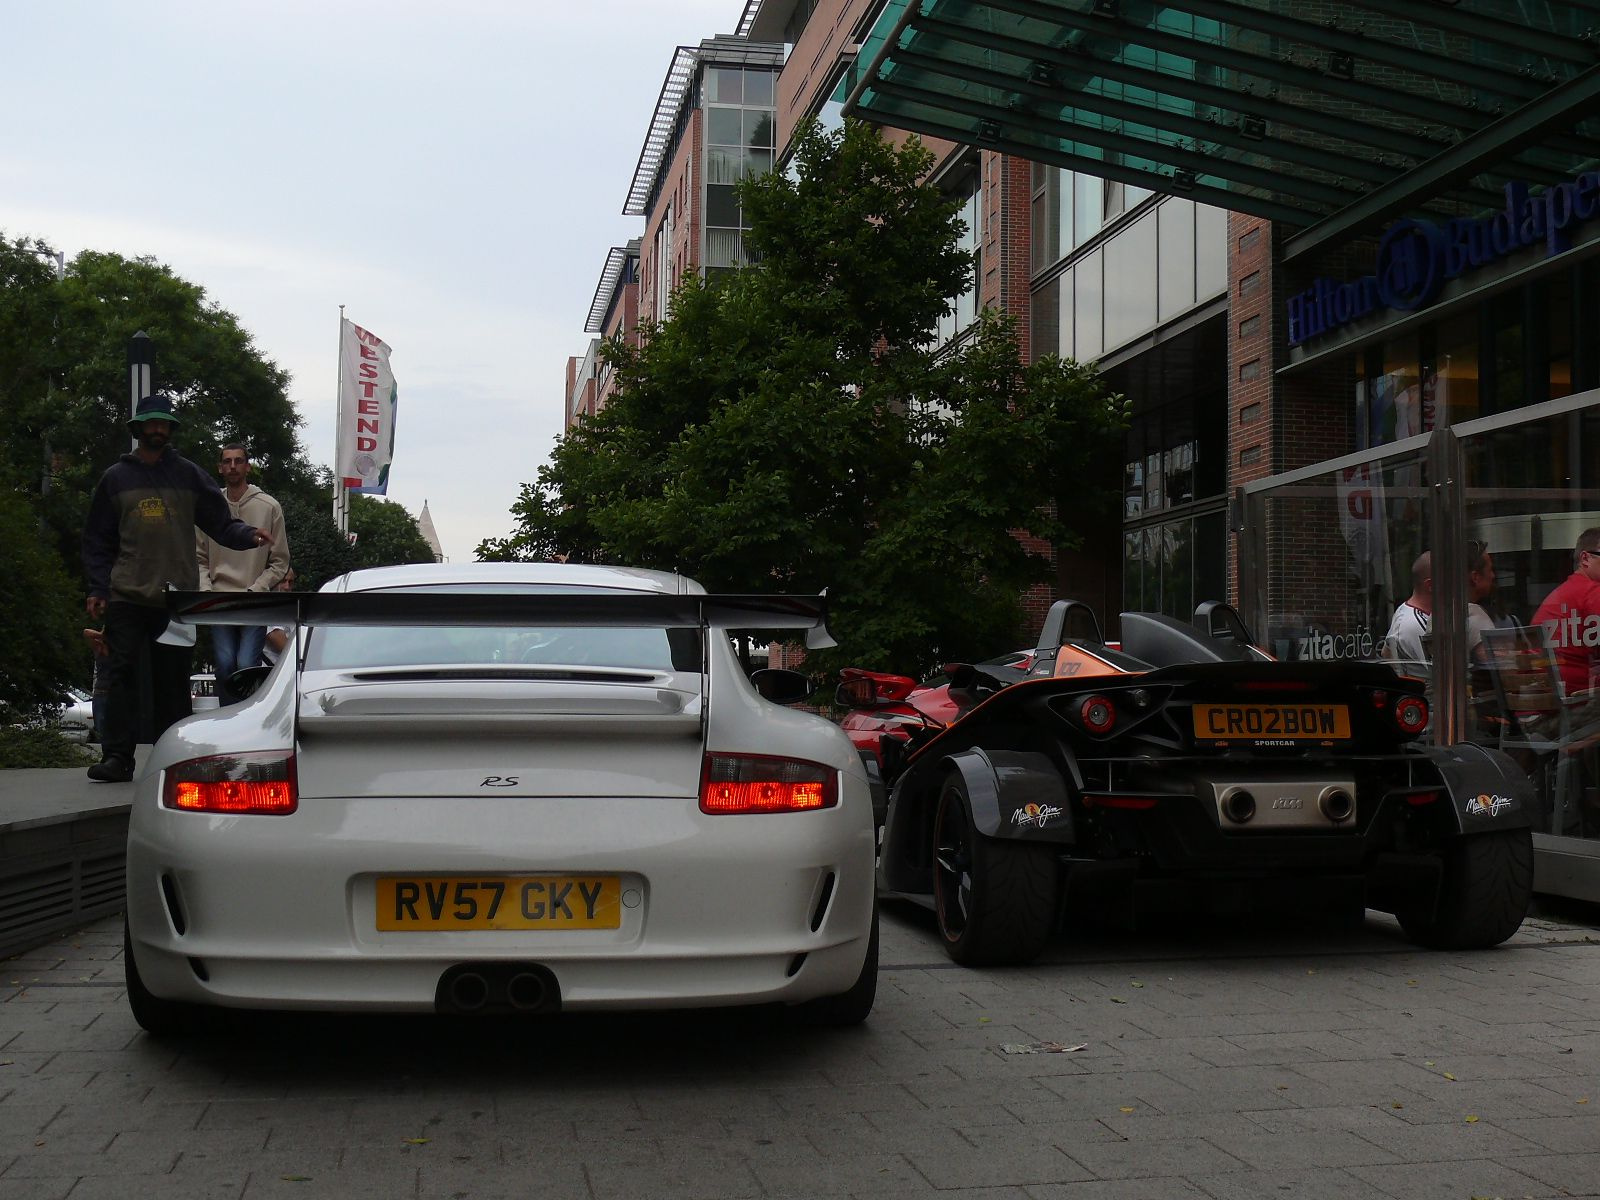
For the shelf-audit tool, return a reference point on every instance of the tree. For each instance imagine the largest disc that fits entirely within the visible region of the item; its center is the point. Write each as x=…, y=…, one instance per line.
x=41, y=612
x=317, y=550
x=790, y=426
x=64, y=378
x=386, y=534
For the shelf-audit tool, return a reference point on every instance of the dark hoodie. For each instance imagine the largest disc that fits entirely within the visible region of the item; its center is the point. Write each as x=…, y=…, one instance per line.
x=140, y=533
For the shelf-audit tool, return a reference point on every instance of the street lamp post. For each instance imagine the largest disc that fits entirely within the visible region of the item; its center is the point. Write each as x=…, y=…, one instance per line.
x=141, y=355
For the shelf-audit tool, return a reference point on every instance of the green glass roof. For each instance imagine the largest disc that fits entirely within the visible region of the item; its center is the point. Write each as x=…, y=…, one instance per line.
x=1330, y=116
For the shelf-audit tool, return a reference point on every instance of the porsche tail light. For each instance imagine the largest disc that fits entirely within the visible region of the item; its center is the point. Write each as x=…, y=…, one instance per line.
x=1411, y=714
x=753, y=783
x=1098, y=714
x=261, y=783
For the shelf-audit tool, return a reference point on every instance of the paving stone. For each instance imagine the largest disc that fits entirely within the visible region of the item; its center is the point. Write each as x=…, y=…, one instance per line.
x=666, y=1178
x=839, y=1176
x=1565, y=1135
x=1017, y=1163
x=41, y=1188
x=1453, y=1180
x=1311, y=1183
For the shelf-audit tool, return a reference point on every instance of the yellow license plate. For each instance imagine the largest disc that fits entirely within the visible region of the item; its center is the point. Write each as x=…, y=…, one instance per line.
x=467, y=902
x=1271, y=722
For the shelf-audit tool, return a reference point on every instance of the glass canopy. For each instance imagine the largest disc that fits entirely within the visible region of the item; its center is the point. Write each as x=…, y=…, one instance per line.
x=1330, y=116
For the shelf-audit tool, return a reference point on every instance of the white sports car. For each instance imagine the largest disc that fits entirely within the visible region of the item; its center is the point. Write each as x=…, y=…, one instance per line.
x=504, y=788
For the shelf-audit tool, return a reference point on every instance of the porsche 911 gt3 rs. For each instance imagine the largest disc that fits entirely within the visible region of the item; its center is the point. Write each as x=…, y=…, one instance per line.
x=504, y=788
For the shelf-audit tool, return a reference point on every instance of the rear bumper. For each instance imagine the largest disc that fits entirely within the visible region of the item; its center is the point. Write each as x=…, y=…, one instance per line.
x=280, y=912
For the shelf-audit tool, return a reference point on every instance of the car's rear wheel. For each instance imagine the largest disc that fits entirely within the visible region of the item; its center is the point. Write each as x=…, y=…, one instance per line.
x=1484, y=895
x=995, y=900
x=158, y=1017
x=851, y=1007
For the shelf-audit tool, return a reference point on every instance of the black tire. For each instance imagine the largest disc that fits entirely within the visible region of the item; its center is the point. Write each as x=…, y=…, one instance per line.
x=157, y=1017
x=995, y=900
x=851, y=1007
x=1488, y=882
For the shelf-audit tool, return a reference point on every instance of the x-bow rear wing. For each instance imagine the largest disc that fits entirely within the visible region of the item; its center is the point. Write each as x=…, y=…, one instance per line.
x=589, y=607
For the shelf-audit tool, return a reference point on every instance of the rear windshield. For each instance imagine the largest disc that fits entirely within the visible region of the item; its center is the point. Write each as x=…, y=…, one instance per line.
x=342, y=647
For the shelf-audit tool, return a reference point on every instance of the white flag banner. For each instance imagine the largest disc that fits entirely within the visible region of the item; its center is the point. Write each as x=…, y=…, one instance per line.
x=367, y=403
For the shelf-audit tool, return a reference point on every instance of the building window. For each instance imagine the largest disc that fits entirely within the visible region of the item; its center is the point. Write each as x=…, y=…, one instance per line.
x=739, y=143
x=964, y=308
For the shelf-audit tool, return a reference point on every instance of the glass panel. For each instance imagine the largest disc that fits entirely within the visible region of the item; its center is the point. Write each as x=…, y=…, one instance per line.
x=1210, y=252
x=1175, y=277
x=1455, y=383
x=1510, y=352
x=1394, y=398
x=1133, y=471
x=724, y=248
x=1068, y=345
x=1130, y=298
x=758, y=162
x=1132, y=571
x=1046, y=319
x=1087, y=307
x=1556, y=298
x=1532, y=498
x=1177, y=569
x=1210, y=557
x=758, y=129
x=758, y=87
x=725, y=85
x=722, y=207
x=1332, y=561
x=723, y=126
x=1088, y=205
x=724, y=164
x=1061, y=181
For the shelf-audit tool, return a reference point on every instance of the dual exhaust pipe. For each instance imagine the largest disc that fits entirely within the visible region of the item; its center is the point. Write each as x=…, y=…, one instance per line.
x=485, y=989
x=1334, y=802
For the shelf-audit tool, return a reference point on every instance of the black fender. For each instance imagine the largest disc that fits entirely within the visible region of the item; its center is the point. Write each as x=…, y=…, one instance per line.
x=1016, y=794
x=1001, y=784
x=1485, y=788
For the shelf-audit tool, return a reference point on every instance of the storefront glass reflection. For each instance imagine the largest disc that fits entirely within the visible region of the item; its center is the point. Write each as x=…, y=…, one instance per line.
x=1327, y=557
x=1532, y=490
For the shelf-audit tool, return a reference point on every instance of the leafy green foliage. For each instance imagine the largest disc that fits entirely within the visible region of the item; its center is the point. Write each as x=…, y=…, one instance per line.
x=64, y=390
x=790, y=427
x=41, y=612
x=317, y=550
x=40, y=746
x=386, y=534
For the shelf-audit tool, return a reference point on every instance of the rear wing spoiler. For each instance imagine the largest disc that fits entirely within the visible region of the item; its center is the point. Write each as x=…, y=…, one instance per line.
x=595, y=607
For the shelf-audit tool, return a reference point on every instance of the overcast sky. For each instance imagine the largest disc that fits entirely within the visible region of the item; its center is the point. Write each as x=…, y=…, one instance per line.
x=453, y=173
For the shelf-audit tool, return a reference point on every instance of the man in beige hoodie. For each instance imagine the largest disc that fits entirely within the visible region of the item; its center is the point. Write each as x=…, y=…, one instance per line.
x=225, y=570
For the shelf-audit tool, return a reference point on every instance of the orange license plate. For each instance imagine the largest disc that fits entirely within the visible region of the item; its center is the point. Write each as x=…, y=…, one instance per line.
x=1271, y=722
x=483, y=902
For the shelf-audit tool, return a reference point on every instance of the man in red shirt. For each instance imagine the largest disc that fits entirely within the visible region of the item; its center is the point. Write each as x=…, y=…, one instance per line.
x=1571, y=616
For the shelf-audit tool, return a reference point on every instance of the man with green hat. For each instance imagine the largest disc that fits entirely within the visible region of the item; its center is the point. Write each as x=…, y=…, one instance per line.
x=138, y=542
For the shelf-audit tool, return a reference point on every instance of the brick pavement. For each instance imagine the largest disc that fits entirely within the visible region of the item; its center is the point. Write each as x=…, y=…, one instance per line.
x=1261, y=1063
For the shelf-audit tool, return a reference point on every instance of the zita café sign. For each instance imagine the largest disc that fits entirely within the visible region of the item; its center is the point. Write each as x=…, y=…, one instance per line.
x=1417, y=258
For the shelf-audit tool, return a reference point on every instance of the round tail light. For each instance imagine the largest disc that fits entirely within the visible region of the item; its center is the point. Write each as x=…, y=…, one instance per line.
x=1098, y=714
x=1411, y=714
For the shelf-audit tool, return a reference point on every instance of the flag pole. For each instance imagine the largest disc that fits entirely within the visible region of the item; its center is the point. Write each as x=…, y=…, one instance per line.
x=341, y=515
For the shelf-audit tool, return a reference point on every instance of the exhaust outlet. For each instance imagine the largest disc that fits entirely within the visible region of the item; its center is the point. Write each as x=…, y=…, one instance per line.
x=1336, y=804
x=1238, y=806
x=469, y=992
x=526, y=992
